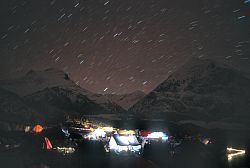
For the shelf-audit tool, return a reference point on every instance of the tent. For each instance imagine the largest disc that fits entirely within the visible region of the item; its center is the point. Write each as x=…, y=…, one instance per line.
x=37, y=128
x=144, y=133
x=124, y=143
x=48, y=143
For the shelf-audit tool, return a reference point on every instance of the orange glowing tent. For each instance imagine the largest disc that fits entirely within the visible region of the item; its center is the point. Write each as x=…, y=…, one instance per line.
x=48, y=143
x=37, y=128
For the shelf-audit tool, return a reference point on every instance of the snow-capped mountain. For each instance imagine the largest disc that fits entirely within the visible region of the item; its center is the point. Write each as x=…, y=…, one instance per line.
x=35, y=81
x=126, y=100
x=199, y=90
x=53, y=90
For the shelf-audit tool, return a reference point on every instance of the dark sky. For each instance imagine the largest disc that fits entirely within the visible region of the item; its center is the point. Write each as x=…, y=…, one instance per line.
x=118, y=46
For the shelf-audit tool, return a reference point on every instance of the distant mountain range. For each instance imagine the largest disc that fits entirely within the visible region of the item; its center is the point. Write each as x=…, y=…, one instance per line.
x=200, y=90
x=49, y=96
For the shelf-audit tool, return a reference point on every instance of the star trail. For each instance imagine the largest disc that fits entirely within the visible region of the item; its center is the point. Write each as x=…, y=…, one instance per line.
x=119, y=46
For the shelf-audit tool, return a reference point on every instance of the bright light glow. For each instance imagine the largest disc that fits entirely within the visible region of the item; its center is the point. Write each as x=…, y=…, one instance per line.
x=123, y=143
x=234, y=153
x=96, y=134
x=112, y=144
x=99, y=133
x=123, y=140
x=122, y=148
x=38, y=128
x=108, y=129
x=157, y=135
x=127, y=140
x=164, y=138
x=205, y=141
x=126, y=132
x=27, y=129
x=66, y=132
x=136, y=148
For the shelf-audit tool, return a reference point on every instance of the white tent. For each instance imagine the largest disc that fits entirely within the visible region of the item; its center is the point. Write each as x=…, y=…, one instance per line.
x=124, y=143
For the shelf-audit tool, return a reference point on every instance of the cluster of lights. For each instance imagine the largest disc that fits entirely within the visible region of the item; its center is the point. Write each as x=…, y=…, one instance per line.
x=126, y=132
x=107, y=129
x=65, y=150
x=234, y=153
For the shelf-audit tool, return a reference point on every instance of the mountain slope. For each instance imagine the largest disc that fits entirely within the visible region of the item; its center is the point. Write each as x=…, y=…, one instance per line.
x=35, y=81
x=68, y=101
x=56, y=90
x=201, y=90
x=126, y=100
x=14, y=111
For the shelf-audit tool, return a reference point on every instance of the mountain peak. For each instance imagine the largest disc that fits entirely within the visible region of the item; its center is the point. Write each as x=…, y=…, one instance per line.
x=36, y=80
x=53, y=80
x=200, y=89
x=196, y=66
x=199, y=73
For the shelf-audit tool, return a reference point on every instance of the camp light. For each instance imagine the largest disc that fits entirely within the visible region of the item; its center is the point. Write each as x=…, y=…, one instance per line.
x=236, y=152
x=96, y=134
x=65, y=150
x=108, y=129
x=157, y=135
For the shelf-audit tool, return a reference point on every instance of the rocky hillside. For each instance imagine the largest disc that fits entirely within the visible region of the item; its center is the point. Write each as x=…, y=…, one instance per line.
x=199, y=90
x=14, y=111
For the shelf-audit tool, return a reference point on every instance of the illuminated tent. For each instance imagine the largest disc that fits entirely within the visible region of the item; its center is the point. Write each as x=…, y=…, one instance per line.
x=48, y=144
x=124, y=143
x=37, y=128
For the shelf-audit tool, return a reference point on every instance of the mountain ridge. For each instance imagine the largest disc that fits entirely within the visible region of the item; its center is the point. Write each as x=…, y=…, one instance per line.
x=200, y=89
x=52, y=93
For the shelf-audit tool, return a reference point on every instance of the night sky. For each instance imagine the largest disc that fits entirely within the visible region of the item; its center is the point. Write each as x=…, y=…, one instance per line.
x=119, y=46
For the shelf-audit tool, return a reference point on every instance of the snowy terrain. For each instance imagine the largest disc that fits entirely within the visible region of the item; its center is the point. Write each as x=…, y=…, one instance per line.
x=200, y=90
x=49, y=96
